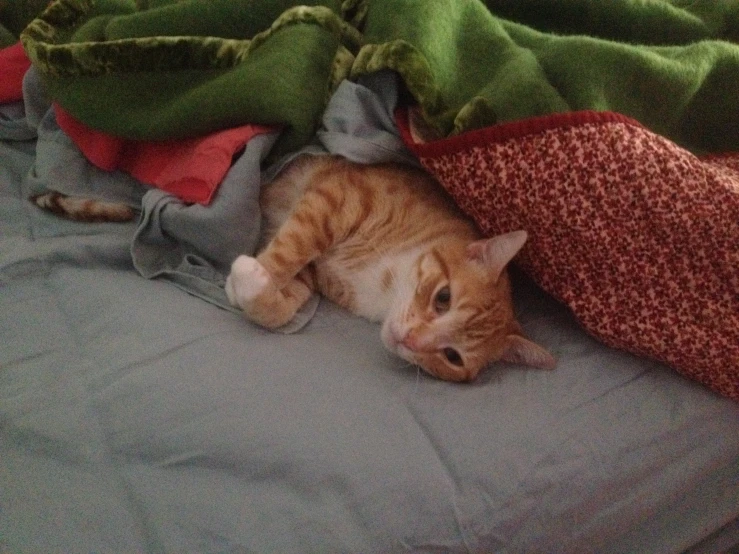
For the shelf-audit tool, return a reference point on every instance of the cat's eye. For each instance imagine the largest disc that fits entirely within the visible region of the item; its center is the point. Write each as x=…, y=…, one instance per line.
x=443, y=300
x=453, y=357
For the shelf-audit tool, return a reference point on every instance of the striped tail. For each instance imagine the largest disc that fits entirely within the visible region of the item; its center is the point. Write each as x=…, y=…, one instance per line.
x=83, y=209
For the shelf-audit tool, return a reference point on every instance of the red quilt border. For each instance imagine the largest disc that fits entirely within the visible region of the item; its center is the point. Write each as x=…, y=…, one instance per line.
x=503, y=131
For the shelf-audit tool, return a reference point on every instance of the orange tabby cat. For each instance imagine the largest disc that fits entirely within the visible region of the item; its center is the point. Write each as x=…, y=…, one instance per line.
x=385, y=242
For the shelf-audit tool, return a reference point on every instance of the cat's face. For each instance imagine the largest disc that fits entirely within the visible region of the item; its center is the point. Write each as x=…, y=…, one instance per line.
x=454, y=321
x=458, y=317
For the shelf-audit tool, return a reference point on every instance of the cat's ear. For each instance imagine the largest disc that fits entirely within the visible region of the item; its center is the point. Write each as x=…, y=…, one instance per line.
x=520, y=350
x=495, y=253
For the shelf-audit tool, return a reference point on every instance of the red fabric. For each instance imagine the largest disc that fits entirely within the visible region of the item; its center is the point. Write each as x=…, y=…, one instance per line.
x=13, y=66
x=639, y=237
x=191, y=169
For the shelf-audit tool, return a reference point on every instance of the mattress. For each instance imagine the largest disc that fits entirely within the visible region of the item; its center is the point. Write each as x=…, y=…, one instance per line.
x=135, y=417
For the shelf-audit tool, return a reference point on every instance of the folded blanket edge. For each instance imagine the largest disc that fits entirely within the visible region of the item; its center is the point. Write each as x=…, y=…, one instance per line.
x=41, y=42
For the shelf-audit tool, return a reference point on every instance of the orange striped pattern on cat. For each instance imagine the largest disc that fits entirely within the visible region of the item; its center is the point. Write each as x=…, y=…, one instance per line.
x=83, y=209
x=387, y=243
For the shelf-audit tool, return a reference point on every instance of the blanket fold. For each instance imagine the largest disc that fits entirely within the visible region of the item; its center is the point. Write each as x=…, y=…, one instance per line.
x=159, y=70
x=654, y=23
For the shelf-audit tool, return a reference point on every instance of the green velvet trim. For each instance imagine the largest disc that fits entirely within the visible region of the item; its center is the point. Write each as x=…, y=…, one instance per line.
x=340, y=70
x=153, y=53
x=323, y=17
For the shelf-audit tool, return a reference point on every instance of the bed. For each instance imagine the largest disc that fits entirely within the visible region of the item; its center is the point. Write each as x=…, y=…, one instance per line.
x=139, y=412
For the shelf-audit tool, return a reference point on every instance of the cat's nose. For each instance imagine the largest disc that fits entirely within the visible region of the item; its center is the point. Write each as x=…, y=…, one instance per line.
x=410, y=341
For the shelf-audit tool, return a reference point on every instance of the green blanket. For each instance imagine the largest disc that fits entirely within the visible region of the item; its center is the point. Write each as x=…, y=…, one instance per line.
x=166, y=69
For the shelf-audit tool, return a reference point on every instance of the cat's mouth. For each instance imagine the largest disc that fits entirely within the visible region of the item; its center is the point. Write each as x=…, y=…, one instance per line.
x=407, y=354
x=393, y=339
x=396, y=341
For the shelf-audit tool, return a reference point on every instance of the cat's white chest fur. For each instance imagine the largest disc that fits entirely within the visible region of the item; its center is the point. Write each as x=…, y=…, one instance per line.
x=379, y=286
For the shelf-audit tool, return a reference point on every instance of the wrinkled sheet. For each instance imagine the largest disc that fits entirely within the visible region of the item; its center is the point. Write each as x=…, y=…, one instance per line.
x=137, y=418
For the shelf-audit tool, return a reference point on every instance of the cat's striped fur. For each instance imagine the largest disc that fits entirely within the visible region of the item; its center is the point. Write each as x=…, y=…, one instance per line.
x=385, y=242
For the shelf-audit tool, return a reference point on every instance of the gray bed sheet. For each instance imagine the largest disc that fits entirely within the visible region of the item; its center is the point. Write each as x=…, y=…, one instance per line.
x=135, y=417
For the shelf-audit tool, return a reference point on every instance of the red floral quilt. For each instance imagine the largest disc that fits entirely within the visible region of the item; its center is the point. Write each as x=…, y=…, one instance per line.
x=636, y=235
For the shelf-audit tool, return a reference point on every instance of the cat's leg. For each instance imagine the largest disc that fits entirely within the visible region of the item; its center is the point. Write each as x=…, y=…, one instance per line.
x=250, y=287
x=272, y=287
x=326, y=214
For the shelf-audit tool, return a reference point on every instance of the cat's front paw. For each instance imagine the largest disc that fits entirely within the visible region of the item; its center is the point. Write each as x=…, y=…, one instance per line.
x=247, y=280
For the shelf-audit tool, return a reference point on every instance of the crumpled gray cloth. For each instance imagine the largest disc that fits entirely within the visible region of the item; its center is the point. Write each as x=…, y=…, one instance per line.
x=193, y=246
x=359, y=121
x=358, y=124
x=13, y=125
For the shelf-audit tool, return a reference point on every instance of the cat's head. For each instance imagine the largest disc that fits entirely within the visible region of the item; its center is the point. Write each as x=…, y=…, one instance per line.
x=458, y=316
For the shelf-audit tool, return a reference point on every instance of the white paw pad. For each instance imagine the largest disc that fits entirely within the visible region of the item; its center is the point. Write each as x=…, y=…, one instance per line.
x=247, y=280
